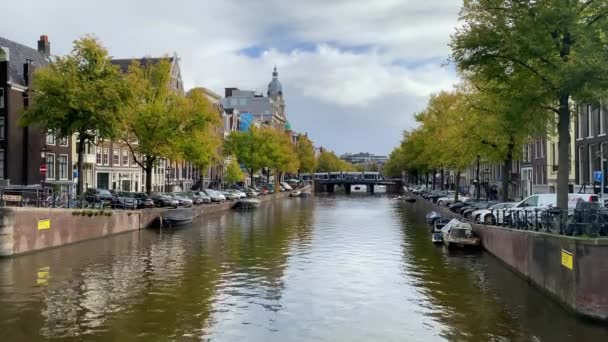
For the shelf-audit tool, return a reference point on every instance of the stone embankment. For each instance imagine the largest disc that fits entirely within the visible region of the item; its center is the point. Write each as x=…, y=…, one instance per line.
x=572, y=270
x=25, y=230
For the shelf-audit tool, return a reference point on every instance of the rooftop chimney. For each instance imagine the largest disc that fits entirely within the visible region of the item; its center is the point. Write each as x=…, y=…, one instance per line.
x=44, y=47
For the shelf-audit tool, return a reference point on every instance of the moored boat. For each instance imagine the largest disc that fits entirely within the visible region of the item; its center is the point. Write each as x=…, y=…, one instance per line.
x=460, y=235
x=410, y=199
x=432, y=217
x=176, y=217
x=295, y=193
x=247, y=203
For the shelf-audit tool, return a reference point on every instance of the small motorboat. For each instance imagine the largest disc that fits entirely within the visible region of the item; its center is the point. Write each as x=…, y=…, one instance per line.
x=410, y=199
x=247, y=204
x=460, y=235
x=295, y=193
x=432, y=217
x=176, y=217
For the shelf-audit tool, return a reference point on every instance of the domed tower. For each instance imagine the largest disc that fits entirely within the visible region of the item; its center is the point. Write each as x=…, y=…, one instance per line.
x=275, y=88
x=275, y=93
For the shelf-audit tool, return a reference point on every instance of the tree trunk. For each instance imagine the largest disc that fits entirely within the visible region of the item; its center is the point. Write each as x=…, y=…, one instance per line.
x=252, y=180
x=148, y=170
x=563, y=131
x=506, y=171
x=81, y=140
x=434, y=178
x=457, y=183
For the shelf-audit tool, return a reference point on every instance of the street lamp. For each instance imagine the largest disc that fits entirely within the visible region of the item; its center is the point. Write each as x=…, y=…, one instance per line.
x=43, y=169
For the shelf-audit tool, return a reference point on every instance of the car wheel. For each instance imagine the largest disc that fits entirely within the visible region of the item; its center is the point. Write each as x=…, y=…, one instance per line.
x=467, y=215
x=440, y=203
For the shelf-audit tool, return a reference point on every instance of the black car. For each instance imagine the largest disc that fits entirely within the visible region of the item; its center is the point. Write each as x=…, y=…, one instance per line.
x=162, y=200
x=99, y=196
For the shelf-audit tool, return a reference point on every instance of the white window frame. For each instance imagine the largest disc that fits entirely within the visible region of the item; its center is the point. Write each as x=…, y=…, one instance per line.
x=124, y=158
x=67, y=169
x=116, y=161
x=106, y=153
x=50, y=138
x=50, y=169
x=99, y=151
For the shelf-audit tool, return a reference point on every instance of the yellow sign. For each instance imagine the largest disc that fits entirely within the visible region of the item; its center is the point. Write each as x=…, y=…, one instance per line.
x=43, y=275
x=44, y=224
x=567, y=260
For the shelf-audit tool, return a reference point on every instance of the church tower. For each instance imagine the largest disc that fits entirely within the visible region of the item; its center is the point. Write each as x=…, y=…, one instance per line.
x=275, y=93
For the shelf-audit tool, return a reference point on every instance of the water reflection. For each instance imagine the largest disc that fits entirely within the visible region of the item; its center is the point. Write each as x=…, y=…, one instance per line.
x=332, y=268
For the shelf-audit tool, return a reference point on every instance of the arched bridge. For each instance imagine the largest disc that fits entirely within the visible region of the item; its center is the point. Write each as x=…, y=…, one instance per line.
x=327, y=182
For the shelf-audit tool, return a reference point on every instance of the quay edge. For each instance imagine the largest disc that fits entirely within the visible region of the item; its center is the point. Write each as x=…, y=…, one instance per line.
x=25, y=230
x=538, y=256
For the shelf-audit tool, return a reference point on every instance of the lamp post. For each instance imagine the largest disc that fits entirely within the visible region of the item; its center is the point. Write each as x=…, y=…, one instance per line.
x=43, y=169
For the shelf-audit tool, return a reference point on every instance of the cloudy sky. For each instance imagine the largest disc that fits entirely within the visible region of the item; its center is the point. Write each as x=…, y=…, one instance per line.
x=353, y=72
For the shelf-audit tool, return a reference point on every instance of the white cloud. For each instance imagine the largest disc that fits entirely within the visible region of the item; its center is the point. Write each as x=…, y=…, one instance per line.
x=370, y=59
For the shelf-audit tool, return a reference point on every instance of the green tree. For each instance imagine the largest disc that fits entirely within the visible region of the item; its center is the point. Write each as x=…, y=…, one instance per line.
x=306, y=154
x=234, y=174
x=200, y=142
x=81, y=93
x=249, y=148
x=554, y=50
x=330, y=162
x=155, y=116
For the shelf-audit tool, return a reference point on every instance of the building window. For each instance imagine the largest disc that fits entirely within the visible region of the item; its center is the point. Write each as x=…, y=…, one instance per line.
x=1, y=164
x=50, y=166
x=125, y=158
x=116, y=158
x=590, y=162
x=62, y=141
x=106, y=156
x=602, y=120
x=62, y=160
x=98, y=156
x=1, y=128
x=50, y=138
x=1, y=99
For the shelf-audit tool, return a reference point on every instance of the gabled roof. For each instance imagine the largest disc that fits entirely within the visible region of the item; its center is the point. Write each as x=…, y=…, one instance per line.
x=18, y=55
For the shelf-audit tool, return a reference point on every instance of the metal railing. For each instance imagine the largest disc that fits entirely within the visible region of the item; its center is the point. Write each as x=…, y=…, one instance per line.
x=587, y=221
x=45, y=198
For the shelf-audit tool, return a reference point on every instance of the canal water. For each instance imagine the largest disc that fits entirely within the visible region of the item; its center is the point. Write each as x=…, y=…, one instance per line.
x=340, y=268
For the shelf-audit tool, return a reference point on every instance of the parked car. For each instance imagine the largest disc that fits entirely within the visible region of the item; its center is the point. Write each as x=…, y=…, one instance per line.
x=251, y=193
x=215, y=196
x=162, y=200
x=183, y=201
x=467, y=212
x=286, y=186
x=185, y=195
x=99, y=196
x=143, y=200
x=528, y=210
x=239, y=193
x=492, y=215
x=123, y=200
x=230, y=195
x=264, y=191
x=200, y=195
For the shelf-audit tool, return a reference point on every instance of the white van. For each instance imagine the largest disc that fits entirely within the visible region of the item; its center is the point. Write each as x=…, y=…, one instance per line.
x=529, y=208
